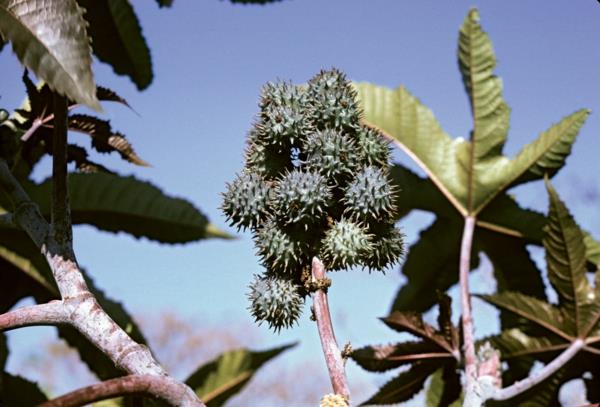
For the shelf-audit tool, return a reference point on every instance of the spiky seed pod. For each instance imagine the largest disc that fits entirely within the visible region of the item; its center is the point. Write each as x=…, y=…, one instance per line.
x=283, y=126
x=301, y=197
x=345, y=244
x=331, y=153
x=246, y=201
x=333, y=400
x=282, y=252
x=333, y=101
x=373, y=148
x=268, y=161
x=276, y=301
x=388, y=248
x=370, y=195
x=282, y=94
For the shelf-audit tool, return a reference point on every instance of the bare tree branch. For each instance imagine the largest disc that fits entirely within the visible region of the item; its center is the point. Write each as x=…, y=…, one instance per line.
x=55, y=243
x=164, y=388
x=333, y=355
x=52, y=313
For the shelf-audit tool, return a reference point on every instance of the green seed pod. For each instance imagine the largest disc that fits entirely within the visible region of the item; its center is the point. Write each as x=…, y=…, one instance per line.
x=388, y=248
x=370, y=195
x=331, y=153
x=282, y=251
x=283, y=126
x=345, y=244
x=276, y=301
x=333, y=101
x=266, y=160
x=373, y=148
x=281, y=94
x=246, y=202
x=301, y=197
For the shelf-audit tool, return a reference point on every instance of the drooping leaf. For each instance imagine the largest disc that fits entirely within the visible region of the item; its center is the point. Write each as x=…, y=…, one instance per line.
x=413, y=322
x=444, y=389
x=513, y=343
x=218, y=380
x=49, y=37
x=385, y=357
x=117, y=39
x=114, y=203
x=491, y=114
x=547, y=154
x=110, y=95
x=164, y=3
x=17, y=391
x=565, y=259
x=404, y=386
x=96, y=360
x=104, y=140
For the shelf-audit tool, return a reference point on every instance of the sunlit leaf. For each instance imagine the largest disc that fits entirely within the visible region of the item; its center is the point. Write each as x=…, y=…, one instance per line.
x=491, y=114
x=218, y=380
x=117, y=39
x=444, y=389
x=49, y=37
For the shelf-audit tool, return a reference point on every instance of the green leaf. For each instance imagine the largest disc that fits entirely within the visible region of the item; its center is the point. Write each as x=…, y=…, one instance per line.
x=50, y=39
x=547, y=154
x=444, y=389
x=220, y=379
x=114, y=203
x=117, y=39
x=513, y=343
x=565, y=259
x=96, y=360
x=491, y=114
x=404, y=386
x=17, y=391
x=413, y=127
x=385, y=357
x=104, y=140
x=427, y=274
x=535, y=311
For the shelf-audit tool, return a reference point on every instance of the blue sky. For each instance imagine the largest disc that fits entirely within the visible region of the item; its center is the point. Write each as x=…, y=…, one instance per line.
x=211, y=59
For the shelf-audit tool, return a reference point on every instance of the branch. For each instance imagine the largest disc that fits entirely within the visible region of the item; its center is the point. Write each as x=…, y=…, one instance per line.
x=333, y=355
x=55, y=243
x=541, y=375
x=61, y=210
x=164, y=388
x=52, y=313
x=467, y=319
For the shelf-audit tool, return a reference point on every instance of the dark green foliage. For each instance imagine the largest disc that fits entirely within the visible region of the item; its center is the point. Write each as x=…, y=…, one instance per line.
x=328, y=176
x=275, y=300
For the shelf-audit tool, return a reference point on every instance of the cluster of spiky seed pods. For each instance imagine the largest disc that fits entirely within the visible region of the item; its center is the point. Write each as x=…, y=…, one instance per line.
x=315, y=183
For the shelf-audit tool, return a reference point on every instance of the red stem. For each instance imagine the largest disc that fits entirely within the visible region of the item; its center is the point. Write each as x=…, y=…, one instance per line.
x=333, y=355
x=465, y=299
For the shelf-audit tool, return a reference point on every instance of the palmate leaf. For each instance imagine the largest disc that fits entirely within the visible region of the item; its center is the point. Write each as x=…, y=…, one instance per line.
x=117, y=39
x=566, y=261
x=114, y=203
x=444, y=389
x=49, y=37
x=220, y=379
x=104, y=140
x=413, y=322
x=17, y=391
x=404, y=386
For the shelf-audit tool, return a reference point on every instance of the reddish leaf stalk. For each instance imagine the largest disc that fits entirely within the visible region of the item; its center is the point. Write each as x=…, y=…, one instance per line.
x=52, y=313
x=333, y=354
x=164, y=388
x=465, y=299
